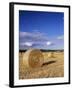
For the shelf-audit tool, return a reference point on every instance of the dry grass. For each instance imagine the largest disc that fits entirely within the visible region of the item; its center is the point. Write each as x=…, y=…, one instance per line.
x=52, y=67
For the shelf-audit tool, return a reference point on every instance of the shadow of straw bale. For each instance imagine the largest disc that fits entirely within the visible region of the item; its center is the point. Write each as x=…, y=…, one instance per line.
x=47, y=63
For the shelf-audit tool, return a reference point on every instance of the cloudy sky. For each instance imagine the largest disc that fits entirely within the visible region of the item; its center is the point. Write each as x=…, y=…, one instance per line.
x=41, y=30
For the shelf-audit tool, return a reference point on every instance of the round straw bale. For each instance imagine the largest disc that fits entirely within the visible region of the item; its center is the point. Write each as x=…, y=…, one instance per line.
x=50, y=55
x=33, y=58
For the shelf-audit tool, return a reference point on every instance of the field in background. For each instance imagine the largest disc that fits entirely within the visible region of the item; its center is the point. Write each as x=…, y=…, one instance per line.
x=52, y=67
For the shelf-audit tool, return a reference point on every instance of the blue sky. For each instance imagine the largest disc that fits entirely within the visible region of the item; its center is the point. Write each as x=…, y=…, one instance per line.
x=41, y=30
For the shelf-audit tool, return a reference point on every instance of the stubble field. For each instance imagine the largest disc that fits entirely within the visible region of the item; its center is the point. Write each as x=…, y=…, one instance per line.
x=53, y=66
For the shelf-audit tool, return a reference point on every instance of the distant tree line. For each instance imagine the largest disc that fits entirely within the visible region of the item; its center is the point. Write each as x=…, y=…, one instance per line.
x=43, y=50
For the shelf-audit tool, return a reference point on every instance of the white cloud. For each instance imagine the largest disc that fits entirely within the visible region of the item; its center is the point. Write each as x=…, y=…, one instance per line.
x=26, y=43
x=48, y=43
x=60, y=37
x=25, y=34
x=33, y=39
x=32, y=36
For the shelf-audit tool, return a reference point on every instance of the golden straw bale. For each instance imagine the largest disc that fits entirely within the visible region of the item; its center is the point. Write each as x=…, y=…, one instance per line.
x=51, y=55
x=33, y=58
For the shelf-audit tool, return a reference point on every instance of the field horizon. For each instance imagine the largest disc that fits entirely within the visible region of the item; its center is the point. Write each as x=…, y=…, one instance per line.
x=45, y=50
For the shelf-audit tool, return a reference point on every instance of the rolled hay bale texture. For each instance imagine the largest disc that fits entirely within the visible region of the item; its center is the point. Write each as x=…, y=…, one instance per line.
x=20, y=59
x=33, y=58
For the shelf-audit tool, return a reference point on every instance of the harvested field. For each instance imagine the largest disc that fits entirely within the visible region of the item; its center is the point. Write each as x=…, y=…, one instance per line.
x=53, y=66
